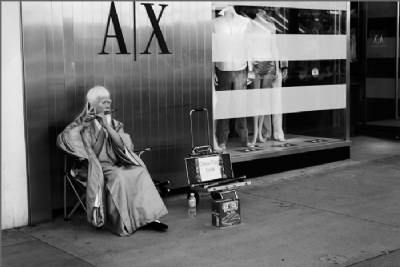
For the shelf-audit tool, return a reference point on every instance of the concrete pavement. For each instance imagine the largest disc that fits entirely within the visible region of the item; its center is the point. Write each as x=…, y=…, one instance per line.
x=343, y=214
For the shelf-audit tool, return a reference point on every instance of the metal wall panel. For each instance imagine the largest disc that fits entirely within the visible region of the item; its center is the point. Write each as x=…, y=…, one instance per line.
x=152, y=92
x=38, y=128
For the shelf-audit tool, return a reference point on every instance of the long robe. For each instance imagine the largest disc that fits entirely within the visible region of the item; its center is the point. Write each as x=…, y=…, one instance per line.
x=120, y=193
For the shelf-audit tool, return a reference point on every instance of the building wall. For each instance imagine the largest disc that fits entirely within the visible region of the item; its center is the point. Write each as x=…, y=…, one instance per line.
x=153, y=92
x=14, y=182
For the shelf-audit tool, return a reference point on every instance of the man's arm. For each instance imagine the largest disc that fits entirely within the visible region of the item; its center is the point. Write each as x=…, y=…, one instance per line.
x=116, y=139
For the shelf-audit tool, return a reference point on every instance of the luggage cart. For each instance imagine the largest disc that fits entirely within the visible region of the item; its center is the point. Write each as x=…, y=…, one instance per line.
x=210, y=171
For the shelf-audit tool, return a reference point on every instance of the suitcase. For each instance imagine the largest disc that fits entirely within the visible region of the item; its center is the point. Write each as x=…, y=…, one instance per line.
x=208, y=170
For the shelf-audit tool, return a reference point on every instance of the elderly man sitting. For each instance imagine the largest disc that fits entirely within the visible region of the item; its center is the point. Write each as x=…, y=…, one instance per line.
x=120, y=193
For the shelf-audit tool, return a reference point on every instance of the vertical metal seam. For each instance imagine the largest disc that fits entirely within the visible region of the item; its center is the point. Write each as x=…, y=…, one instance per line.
x=397, y=62
x=149, y=90
x=73, y=37
x=158, y=98
x=347, y=111
x=94, y=50
x=197, y=59
x=84, y=52
x=134, y=31
x=365, y=63
x=182, y=106
x=122, y=77
x=173, y=81
x=64, y=68
x=165, y=109
x=64, y=84
x=137, y=37
x=26, y=130
x=131, y=72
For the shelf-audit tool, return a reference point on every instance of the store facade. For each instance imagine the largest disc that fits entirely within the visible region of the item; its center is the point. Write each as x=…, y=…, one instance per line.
x=374, y=69
x=158, y=59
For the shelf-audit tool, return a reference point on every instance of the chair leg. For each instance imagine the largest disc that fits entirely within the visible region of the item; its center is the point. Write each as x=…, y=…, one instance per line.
x=77, y=205
x=65, y=197
x=80, y=198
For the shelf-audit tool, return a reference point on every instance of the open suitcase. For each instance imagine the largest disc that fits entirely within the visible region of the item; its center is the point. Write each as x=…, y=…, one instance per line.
x=210, y=171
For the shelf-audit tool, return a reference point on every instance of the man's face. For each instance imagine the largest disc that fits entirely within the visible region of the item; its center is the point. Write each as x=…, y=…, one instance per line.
x=103, y=104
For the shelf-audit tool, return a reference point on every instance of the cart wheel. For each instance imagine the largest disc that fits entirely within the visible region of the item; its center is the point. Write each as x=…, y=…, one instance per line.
x=196, y=195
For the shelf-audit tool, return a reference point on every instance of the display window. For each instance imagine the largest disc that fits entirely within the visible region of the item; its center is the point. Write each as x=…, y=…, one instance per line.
x=279, y=75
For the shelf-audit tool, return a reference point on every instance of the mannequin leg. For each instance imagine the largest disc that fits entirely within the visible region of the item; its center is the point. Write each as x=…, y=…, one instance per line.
x=222, y=132
x=256, y=130
x=222, y=125
x=240, y=83
x=277, y=125
x=215, y=142
x=268, y=127
x=277, y=117
x=260, y=126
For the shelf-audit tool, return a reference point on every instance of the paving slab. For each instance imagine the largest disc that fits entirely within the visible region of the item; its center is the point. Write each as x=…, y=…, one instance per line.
x=38, y=253
x=14, y=236
x=389, y=259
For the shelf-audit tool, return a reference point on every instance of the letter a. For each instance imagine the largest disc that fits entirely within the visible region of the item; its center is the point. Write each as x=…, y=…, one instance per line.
x=118, y=32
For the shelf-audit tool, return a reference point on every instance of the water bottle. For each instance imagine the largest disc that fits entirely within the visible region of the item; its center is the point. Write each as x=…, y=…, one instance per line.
x=192, y=205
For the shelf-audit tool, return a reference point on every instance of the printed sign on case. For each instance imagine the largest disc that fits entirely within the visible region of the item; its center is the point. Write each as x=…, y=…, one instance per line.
x=210, y=168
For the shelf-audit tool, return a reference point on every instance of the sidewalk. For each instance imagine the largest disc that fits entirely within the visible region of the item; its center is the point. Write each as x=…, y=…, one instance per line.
x=343, y=214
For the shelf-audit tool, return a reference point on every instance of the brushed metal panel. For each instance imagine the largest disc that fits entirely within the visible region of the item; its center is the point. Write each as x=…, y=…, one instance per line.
x=99, y=26
x=36, y=112
x=64, y=99
x=51, y=95
x=152, y=92
x=125, y=110
x=136, y=90
x=78, y=56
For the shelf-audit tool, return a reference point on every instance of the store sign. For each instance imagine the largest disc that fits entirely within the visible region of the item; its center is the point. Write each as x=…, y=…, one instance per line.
x=113, y=18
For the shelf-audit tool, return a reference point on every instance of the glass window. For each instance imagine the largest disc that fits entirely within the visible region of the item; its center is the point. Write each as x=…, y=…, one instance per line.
x=279, y=75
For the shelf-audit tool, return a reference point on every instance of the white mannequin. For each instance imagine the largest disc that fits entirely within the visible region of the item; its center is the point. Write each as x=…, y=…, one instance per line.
x=263, y=24
x=233, y=24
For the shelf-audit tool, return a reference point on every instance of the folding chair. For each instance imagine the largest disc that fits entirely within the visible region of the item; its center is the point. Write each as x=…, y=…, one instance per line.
x=77, y=184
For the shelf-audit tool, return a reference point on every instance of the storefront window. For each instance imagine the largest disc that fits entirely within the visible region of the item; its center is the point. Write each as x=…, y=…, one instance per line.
x=279, y=75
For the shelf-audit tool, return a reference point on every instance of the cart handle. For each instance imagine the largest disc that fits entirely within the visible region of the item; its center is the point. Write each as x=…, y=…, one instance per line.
x=191, y=124
x=198, y=110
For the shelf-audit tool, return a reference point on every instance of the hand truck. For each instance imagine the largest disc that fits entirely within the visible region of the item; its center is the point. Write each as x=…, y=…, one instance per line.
x=209, y=170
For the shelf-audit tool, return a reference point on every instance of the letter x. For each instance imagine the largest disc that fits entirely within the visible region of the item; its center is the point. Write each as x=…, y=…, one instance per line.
x=156, y=29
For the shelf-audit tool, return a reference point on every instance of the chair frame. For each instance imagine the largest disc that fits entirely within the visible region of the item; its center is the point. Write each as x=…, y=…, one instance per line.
x=71, y=178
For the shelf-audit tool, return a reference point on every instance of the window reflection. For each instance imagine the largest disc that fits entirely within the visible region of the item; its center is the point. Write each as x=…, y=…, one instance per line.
x=303, y=94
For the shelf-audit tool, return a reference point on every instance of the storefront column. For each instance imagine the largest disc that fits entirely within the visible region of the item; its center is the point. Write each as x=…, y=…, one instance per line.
x=14, y=182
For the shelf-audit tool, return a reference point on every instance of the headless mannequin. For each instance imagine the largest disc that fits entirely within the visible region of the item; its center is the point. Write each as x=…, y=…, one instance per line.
x=231, y=75
x=273, y=79
x=258, y=121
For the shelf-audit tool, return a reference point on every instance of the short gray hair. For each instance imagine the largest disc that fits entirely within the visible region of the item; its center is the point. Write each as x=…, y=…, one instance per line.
x=95, y=93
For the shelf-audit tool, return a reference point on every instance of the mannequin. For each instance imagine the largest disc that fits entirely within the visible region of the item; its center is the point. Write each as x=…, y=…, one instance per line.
x=231, y=75
x=268, y=74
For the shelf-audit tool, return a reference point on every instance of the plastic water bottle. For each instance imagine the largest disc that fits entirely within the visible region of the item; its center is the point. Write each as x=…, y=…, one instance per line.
x=192, y=205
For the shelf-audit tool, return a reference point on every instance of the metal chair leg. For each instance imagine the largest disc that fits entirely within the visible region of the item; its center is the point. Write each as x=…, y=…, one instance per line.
x=65, y=197
x=80, y=200
x=77, y=205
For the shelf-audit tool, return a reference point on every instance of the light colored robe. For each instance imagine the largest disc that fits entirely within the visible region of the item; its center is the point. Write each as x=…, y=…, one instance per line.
x=120, y=193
